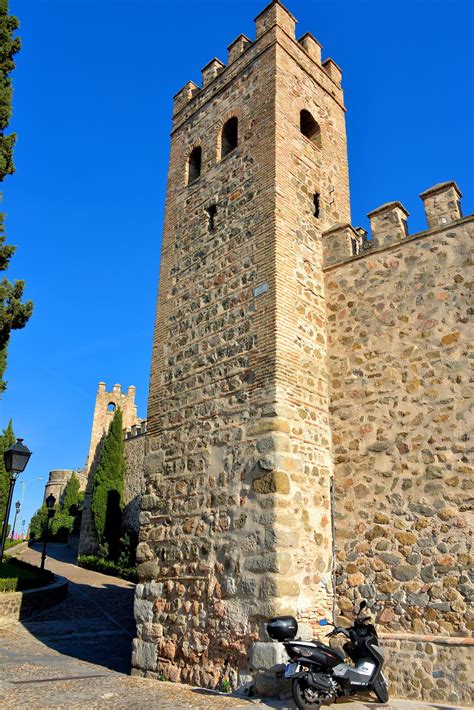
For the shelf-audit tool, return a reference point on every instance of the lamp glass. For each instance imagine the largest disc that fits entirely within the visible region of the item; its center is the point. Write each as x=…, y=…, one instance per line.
x=16, y=457
x=50, y=501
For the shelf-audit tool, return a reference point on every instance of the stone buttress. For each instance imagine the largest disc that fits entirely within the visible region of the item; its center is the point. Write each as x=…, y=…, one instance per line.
x=236, y=516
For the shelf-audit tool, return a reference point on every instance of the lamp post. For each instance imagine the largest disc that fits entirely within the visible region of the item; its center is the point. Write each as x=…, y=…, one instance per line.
x=16, y=457
x=23, y=529
x=17, y=506
x=50, y=501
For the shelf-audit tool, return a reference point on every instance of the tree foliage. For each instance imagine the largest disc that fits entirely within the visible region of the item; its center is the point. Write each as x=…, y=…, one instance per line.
x=107, y=491
x=67, y=516
x=71, y=496
x=6, y=440
x=9, y=46
x=13, y=313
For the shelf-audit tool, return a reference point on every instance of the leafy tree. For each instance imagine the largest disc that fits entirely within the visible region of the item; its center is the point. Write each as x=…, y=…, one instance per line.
x=6, y=440
x=38, y=522
x=13, y=313
x=61, y=525
x=107, y=491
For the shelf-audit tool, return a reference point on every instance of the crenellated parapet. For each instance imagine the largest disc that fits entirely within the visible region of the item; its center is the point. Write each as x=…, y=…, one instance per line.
x=138, y=429
x=389, y=225
x=274, y=18
x=442, y=204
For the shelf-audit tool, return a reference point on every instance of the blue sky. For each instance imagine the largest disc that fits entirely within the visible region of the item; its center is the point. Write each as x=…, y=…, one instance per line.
x=92, y=108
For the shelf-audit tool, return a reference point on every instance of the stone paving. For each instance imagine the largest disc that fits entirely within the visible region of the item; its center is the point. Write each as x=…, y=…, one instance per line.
x=78, y=654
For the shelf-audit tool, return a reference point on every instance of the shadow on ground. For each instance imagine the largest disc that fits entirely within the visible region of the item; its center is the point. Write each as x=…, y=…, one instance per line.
x=95, y=623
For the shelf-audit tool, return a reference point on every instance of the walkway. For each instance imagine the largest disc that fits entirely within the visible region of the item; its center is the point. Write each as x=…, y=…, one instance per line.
x=78, y=654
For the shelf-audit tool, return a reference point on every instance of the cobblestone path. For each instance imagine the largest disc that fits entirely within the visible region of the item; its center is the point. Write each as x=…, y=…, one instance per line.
x=77, y=655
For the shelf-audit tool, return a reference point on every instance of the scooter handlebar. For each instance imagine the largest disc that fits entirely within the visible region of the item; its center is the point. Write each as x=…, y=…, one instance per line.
x=339, y=630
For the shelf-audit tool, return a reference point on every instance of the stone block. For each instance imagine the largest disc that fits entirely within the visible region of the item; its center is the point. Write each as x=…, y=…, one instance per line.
x=143, y=611
x=144, y=655
x=272, y=482
x=264, y=655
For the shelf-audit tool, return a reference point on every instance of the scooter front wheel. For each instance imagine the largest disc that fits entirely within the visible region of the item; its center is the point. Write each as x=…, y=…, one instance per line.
x=305, y=698
x=380, y=688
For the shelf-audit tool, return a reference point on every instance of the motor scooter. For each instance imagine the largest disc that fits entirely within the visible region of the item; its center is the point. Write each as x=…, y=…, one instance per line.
x=319, y=672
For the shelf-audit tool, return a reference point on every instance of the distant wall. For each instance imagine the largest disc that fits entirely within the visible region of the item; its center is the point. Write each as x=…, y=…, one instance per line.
x=134, y=480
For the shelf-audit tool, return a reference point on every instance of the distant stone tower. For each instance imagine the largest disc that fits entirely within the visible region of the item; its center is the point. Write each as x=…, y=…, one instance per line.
x=236, y=522
x=58, y=480
x=106, y=404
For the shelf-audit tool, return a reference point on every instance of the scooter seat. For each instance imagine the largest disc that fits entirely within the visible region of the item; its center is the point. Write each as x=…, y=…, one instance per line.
x=332, y=649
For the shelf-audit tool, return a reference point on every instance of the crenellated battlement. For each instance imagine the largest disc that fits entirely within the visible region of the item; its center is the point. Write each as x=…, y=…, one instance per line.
x=138, y=429
x=389, y=225
x=273, y=16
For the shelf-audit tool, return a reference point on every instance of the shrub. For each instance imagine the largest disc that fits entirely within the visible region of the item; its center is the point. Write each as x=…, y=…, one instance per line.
x=98, y=564
x=16, y=575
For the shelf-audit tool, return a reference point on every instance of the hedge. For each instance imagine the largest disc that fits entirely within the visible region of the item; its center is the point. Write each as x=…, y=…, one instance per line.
x=97, y=564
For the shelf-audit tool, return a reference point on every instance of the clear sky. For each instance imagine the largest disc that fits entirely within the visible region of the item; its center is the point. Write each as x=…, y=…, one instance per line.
x=92, y=107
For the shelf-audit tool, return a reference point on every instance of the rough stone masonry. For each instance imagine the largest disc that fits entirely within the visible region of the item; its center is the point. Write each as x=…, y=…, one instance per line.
x=304, y=379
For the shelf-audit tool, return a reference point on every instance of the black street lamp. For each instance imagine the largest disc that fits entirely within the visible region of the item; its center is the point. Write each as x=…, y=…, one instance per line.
x=17, y=506
x=16, y=457
x=50, y=501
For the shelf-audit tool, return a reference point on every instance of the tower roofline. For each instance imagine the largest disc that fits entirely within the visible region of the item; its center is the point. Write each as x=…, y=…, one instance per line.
x=275, y=2
x=274, y=26
x=311, y=36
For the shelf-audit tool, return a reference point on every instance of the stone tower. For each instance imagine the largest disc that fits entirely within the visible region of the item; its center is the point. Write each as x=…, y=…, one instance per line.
x=106, y=404
x=236, y=520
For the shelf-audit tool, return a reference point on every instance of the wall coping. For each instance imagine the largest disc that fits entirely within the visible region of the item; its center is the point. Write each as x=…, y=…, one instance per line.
x=428, y=638
x=396, y=245
x=30, y=596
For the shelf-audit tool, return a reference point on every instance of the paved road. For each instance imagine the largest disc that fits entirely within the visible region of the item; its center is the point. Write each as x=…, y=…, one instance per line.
x=78, y=654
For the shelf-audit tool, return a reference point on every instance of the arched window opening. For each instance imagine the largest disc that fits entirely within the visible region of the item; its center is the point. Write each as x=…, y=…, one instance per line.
x=310, y=128
x=230, y=133
x=194, y=164
x=111, y=407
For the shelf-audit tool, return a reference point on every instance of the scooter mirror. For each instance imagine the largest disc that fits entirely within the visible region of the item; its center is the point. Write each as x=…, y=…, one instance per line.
x=363, y=604
x=323, y=622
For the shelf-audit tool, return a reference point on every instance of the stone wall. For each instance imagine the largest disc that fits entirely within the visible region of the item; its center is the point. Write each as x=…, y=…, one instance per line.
x=398, y=354
x=430, y=668
x=15, y=606
x=399, y=349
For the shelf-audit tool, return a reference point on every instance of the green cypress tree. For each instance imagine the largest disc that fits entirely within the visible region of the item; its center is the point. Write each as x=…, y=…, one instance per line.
x=70, y=500
x=6, y=440
x=107, y=490
x=13, y=313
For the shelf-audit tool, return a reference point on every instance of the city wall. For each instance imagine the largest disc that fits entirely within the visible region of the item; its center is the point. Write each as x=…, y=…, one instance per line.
x=399, y=345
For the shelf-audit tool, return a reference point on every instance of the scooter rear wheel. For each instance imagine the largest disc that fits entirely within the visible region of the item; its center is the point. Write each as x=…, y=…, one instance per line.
x=380, y=688
x=305, y=698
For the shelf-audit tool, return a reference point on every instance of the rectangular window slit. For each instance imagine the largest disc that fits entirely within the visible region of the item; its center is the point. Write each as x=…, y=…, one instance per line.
x=316, y=204
x=211, y=213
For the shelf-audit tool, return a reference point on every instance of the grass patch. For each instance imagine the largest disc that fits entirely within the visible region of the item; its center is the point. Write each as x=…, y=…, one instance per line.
x=97, y=564
x=11, y=543
x=17, y=576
